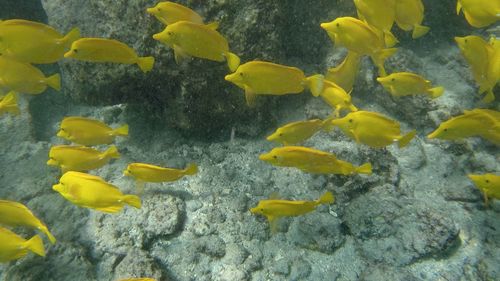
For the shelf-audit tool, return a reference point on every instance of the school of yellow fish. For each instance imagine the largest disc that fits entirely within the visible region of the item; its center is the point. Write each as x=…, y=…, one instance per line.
x=24, y=43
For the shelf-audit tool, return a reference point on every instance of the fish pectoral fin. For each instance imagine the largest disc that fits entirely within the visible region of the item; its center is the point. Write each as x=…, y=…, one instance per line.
x=179, y=54
x=250, y=96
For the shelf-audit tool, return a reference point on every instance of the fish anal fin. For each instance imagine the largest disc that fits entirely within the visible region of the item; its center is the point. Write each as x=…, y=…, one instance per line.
x=111, y=209
x=273, y=224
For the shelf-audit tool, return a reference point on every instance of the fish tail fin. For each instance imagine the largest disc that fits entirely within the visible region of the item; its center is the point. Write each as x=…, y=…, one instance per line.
x=35, y=244
x=364, y=169
x=51, y=237
x=436, y=92
x=213, y=25
x=380, y=57
x=191, y=169
x=10, y=103
x=315, y=83
x=146, y=63
x=326, y=198
x=233, y=61
x=132, y=200
x=122, y=131
x=405, y=140
x=112, y=152
x=489, y=97
x=54, y=81
x=390, y=39
x=419, y=31
x=73, y=35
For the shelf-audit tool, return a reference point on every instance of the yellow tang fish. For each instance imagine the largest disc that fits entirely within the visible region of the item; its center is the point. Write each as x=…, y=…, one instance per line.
x=8, y=104
x=480, y=13
x=93, y=192
x=372, y=129
x=273, y=209
x=312, y=161
x=34, y=42
x=169, y=12
x=380, y=14
x=87, y=131
x=296, y=132
x=337, y=98
x=478, y=122
x=345, y=73
x=25, y=78
x=489, y=184
x=357, y=36
x=409, y=15
x=107, y=50
x=80, y=158
x=150, y=173
x=481, y=58
x=14, y=247
x=406, y=83
x=197, y=40
x=266, y=78
x=16, y=214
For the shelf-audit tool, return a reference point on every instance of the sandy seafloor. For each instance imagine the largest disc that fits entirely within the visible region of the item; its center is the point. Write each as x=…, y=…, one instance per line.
x=418, y=217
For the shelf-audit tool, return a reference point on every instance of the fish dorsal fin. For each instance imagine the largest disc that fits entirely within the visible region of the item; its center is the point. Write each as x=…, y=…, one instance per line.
x=213, y=25
x=88, y=176
x=274, y=196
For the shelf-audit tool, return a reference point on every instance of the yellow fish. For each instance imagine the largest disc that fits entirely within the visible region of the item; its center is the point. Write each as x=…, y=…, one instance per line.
x=150, y=173
x=14, y=247
x=489, y=184
x=406, y=83
x=345, y=73
x=478, y=122
x=409, y=15
x=481, y=58
x=357, y=36
x=480, y=13
x=372, y=129
x=107, y=50
x=80, y=158
x=25, y=78
x=33, y=42
x=87, y=131
x=273, y=209
x=380, y=14
x=16, y=214
x=296, y=132
x=337, y=98
x=312, y=161
x=197, y=40
x=8, y=104
x=90, y=191
x=266, y=78
x=169, y=12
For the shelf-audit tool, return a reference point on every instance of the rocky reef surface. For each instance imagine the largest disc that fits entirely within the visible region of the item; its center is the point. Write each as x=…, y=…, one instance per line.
x=417, y=217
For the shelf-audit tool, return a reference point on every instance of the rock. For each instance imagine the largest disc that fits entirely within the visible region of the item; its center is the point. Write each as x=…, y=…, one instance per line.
x=137, y=264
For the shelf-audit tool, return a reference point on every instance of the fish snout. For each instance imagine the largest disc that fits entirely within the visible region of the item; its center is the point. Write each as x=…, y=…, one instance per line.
x=433, y=134
x=127, y=173
x=265, y=157
x=57, y=187
x=229, y=77
x=69, y=53
x=157, y=36
x=255, y=210
x=52, y=162
x=150, y=11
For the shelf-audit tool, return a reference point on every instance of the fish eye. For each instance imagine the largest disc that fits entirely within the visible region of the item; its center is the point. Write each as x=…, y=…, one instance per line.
x=169, y=33
x=350, y=120
x=487, y=181
x=241, y=73
x=338, y=24
x=75, y=50
x=275, y=157
x=281, y=134
x=465, y=40
x=393, y=79
x=446, y=130
x=262, y=209
x=159, y=9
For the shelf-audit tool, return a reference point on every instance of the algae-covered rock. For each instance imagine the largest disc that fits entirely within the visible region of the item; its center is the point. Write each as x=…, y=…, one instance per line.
x=193, y=96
